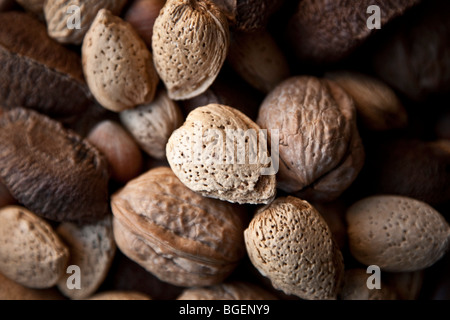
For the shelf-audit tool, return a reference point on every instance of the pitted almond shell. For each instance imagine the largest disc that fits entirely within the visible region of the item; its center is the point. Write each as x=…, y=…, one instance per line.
x=31, y=253
x=190, y=43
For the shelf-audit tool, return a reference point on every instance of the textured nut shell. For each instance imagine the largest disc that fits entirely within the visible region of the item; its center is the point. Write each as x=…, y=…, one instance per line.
x=241, y=183
x=320, y=149
x=56, y=16
x=176, y=234
x=290, y=243
x=11, y=290
x=396, y=233
x=377, y=105
x=92, y=248
x=227, y=291
x=35, y=6
x=152, y=124
x=257, y=58
x=120, y=295
x=190, y=43
x=313, y=28
x=118, y=66
x=120, y=149
x=37, y=72
x=355, y=287
x=50, y=170
x=31, y=253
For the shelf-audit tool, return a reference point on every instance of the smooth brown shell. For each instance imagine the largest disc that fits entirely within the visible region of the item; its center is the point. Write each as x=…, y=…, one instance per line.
x=31, y=253
x=398, y=234
x=190, y=43
x=176, y=234
x=51, y=170
x=290, y=243
x=227, y=291
x=204, y=166
x=321, y=152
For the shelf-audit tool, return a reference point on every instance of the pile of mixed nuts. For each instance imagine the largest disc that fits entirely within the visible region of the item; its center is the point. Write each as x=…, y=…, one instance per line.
x=224, y=149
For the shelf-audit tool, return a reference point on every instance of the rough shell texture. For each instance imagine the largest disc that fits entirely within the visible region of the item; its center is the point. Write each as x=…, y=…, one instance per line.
x=355, y=287
x=190, y=43
x=31, y=253
x=208, y=159
x=328, y=30
x=91, y=248
x=142, y=15
x=35, y=6
x=120, y=295
x=257, y=58
x=290, y=243
x=152, y=124
x=174, y=233
x=412, y=62
x=117, y=64
x=119, y=148
x=13, y=291
x=320, y=149
x=227, y=291
x=51, y=170
x=412, y=168
x=37, y=72
x=396, y=233
x=377, y=105
x=248, y=15
x=57, y=17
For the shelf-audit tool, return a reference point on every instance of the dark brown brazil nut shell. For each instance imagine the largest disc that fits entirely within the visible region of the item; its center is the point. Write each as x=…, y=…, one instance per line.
x=50, y=170
x=36, y=71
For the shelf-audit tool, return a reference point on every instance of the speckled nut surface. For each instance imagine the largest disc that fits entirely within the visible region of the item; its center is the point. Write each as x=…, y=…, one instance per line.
x=190, y=43
x=31, y=253
x=117, y=64
x=152, y=124
x=227, y=291
x=396, y=233
x=203, y=165
x=11, y=290
x=355, y=287
x=290, y=243
x=57, y=17
x=50, y=170
x=321, y=152
x=377, y=105
x=177, y=235
x=120, y=295
x=92, y=249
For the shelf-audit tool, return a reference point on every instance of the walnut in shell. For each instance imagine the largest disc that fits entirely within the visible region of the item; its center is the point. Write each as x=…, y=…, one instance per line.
x=50, y=170
x=290, y=243
x=92, y=249
x=321, y=152
x=219, y=153
x=56, y=15
x=117, y=64
x=396, y=233
x=177, y=235
x=227, y=291
x=190, y=43
x=31, y=253
x=152, y=124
